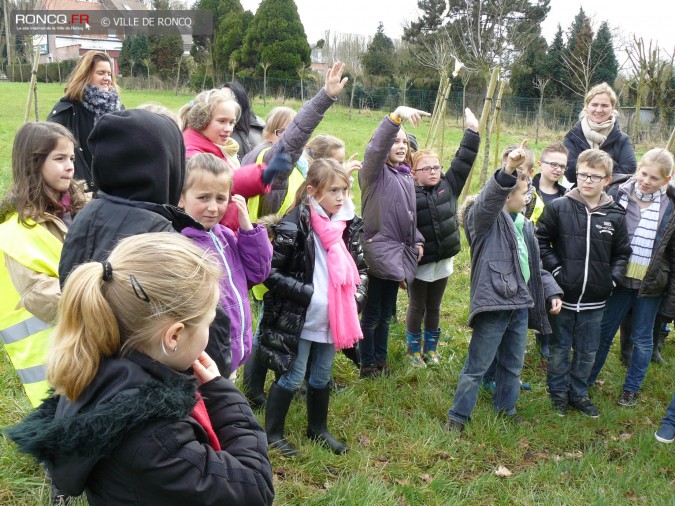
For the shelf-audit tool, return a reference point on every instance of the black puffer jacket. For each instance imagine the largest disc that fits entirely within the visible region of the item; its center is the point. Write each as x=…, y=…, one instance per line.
x=617, y=145
x=586, y=250
x=437, y=206
x=80, y=121
x=130, y=439
x=660, y=277
x=290, y=285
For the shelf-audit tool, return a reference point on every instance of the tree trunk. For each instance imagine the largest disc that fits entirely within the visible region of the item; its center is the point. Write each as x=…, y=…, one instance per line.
x=180, y=60
x=351, y=99
x=33, y=81
x=638, y=100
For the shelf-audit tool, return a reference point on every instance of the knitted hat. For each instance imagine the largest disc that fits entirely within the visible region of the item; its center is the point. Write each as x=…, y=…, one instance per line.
x=138, y=155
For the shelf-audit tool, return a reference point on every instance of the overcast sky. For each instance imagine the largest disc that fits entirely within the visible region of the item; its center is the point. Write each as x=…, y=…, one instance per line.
x=650, y=19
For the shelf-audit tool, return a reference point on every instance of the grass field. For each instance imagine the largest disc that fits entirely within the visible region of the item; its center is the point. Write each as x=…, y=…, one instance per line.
x=400, y=453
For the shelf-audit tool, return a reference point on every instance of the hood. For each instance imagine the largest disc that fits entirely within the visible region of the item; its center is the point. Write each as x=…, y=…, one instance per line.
x=575, y=195
x=71, y=438
x=138, y=155
x=466, y=205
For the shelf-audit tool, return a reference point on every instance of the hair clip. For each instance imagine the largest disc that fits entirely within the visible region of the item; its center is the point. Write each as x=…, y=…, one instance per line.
x=138, y=288
x=191, y=103
x=107, y=270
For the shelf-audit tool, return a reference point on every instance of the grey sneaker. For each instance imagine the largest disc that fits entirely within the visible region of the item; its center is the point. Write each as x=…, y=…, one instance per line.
x=627, y=399
x=560, y=406
x=586, y=407
x=454, y=426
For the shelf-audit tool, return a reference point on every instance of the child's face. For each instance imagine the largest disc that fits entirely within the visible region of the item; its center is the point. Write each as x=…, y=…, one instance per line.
x=515, y=202
x=192, y=343
x=333, y=198
x=427, y=171
x=339, y=155
x=222, y=123
x=101, y=76
x=589, y=189
x=399, y=149
x=206, y=199
x=58, y=168
x=552, y=165
x=649, y=178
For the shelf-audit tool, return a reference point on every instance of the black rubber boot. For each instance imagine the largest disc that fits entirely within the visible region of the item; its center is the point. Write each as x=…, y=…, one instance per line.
x=626, y=344
x=254, y=381
x=276, y=409
x=317, y=417
x=353, y=355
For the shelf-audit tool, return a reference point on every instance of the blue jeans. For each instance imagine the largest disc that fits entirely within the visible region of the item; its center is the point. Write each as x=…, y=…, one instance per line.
x=495, y=333
x=320, y=370
x=578, y=332
x=375, y=319
x=669, y=419
x=645, y=310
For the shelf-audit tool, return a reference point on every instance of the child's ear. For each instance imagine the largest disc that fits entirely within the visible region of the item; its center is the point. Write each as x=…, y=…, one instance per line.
x=311, y=191
x=181, y=203
x=539, y=164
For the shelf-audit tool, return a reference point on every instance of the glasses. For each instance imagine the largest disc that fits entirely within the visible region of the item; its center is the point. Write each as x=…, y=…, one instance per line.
x=555, y=165
x=427, y=170
x=582, y=176
x=279, y=131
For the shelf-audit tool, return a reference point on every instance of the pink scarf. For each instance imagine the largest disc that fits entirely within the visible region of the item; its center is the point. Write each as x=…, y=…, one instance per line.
x=343, y=276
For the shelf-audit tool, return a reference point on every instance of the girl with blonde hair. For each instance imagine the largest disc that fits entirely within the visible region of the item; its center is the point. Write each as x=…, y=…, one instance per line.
x=141, y=414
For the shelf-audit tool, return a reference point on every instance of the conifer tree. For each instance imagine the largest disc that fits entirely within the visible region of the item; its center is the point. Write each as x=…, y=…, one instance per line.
x=276, y=36
x=603, y=60
x=379, y=59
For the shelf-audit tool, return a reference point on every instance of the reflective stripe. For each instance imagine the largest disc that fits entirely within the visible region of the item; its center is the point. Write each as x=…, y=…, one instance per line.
x=22, y=330
x=32, y=374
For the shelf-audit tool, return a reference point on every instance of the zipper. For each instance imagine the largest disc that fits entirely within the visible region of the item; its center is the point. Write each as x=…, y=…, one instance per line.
x=221, y=252
x=588, y=253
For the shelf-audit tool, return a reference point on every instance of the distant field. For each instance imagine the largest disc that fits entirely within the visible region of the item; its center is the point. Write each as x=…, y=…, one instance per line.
x=400, y=453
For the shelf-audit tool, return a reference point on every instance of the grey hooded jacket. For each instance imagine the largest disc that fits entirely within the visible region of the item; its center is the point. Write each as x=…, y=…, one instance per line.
x=497, y=282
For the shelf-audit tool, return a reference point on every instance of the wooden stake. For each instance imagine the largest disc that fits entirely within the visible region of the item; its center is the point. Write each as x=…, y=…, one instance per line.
x=482, y=123
x=33, y=82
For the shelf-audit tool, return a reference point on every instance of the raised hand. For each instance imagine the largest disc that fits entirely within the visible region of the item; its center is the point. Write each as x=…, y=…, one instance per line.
x=242, y=209
x=409, y=113
x=516, y=157
x=352, y=164
x=470, y=120
x=334, y=82
x=205, y=368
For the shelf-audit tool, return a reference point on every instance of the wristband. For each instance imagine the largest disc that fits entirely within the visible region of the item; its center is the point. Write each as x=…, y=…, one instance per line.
x=397, y=121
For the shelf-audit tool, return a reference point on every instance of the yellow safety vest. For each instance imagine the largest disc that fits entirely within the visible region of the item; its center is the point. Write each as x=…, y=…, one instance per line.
x=295, y=181
x=24, y=336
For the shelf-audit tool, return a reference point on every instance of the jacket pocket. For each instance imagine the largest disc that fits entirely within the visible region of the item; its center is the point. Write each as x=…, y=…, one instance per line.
x=503, y=278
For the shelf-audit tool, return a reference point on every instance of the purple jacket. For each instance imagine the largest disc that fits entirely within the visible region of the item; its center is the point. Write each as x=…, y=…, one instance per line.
x=246, y=261
x=389, y=210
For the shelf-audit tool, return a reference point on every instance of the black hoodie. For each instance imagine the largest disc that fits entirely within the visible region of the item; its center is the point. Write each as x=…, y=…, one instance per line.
x=139, y=167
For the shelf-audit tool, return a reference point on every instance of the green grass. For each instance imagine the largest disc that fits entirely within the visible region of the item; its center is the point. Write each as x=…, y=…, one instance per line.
x=400, y=452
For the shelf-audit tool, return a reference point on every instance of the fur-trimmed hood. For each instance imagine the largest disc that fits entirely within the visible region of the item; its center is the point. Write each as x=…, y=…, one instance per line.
x=71, y=438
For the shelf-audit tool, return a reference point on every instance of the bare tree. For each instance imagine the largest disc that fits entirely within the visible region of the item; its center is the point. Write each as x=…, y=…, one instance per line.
x=655, y=73
x=265, y=65
x=233, y=67
x=302, y=73
x=540, y=83
x=347, y=48
x=147, y=62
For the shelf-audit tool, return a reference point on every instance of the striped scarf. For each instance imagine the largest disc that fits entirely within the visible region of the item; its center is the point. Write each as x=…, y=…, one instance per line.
x=642, y=242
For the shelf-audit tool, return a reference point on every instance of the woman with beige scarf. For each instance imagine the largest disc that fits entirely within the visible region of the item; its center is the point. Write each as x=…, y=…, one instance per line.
x=598, y=127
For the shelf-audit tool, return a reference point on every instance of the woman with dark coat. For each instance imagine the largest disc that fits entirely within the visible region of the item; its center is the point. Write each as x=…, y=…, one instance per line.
x=91, y=92
x=598, y=128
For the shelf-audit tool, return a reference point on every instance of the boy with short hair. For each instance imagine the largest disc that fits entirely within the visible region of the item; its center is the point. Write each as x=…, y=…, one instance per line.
x=552, y=164
x=584, y=244
x=508, y=288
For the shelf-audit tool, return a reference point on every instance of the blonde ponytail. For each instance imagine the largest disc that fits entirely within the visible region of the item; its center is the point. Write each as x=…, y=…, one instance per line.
x=157, y=279
x=86, y=331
